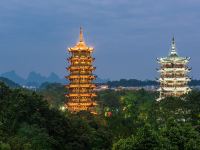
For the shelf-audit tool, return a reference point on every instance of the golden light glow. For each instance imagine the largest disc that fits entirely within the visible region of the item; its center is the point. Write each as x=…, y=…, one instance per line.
x=81, y=88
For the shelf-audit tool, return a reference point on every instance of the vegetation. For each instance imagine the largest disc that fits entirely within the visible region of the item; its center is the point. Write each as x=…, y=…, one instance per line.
x=130, y=120
x=27, y=122
x=132, y=82
x=139, y=83
x=9, y=83
x=54, y=93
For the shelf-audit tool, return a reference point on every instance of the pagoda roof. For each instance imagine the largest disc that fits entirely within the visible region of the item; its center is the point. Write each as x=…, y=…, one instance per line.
x=81, y=45
x=174, y=59
x=173, y=55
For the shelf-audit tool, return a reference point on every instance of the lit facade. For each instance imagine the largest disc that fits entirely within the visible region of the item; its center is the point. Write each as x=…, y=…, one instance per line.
x=81, y=93
x=173, y=74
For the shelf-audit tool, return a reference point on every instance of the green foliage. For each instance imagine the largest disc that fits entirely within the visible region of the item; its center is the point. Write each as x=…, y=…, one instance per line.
x=32, y=121
x=9, y=83
x=109, y=98
x=183, y=109
x=145, y=139
x=193, y=107
x=139, y=83
x=131, y=82
x=131, y=111
x=53, y=93
x=4, y=146
x=27, y=122
x=174, y=136
x=181, y=135
x=31, y=137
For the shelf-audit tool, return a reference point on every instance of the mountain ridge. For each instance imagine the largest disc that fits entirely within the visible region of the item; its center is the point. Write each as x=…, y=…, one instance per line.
x=36, y=79
x=9, y=83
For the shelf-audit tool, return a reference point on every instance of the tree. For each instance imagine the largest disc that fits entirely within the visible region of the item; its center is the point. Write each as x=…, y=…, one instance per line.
x=53, y=93
x=193, y=106
x=145, y=139
x=31, y=137
x=181, y=136
x=4, y=146
x=169, y=107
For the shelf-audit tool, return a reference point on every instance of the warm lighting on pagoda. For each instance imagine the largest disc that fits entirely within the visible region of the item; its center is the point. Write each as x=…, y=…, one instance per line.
x=173, y=74
x=81, y=93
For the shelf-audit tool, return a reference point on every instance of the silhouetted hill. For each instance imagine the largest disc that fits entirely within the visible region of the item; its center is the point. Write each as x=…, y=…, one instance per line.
x=33, y=79
x=12, y=75
x=36, y=79
x=53, y=77
x=9, y=83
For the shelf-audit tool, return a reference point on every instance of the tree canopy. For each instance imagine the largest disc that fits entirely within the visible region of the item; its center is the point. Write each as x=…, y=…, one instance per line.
x=33, y=121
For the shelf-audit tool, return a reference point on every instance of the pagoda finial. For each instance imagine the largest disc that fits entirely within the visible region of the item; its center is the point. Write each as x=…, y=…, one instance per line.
x=173, y=47
x=81, y=35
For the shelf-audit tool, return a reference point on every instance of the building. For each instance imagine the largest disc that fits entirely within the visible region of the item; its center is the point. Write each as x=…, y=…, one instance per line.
x=81, y=93
x=173, y=74
x=102, y=87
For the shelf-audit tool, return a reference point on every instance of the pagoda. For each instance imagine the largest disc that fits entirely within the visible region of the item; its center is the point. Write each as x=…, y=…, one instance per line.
x=81, y=87
x=173, y=74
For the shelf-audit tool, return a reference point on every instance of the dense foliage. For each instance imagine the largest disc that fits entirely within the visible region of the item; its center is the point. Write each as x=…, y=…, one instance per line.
x=128, y=120
x=132, y=82
x=140, y=83
x=54, y=93
x=27, y=122
x=9, y=83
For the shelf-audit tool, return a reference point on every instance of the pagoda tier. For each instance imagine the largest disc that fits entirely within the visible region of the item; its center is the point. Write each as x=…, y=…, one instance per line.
x=82, y=59
x=90, y=86
x=173, y=74
x=81, y=68
x=165, y=79
x=81, y=93
x=71, y=77
x=178, y=70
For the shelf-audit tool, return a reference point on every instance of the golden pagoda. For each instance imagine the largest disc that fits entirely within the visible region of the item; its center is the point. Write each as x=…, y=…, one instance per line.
x=81, y=87
x=173, y=74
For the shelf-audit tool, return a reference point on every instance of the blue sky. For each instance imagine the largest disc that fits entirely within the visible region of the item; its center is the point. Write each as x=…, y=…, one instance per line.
x=128, y=35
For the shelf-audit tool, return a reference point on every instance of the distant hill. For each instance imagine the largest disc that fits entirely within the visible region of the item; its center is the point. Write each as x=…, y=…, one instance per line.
x=33, y=79
x=14, y=77
x=55, y=78
x=36, y=79
x=9, y=83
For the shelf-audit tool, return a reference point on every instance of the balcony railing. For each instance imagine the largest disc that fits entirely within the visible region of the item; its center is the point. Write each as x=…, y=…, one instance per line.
x=173, y=76
x=172, y=86
x=81, y=73
x=174, y=67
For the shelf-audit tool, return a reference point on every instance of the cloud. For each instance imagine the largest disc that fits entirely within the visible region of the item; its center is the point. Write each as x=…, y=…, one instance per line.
x=129, y=30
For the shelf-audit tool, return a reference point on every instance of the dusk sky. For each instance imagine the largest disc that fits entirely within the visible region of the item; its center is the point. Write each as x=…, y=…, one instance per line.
x=128, y=35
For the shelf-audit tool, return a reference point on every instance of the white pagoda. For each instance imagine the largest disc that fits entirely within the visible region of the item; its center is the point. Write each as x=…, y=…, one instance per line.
x=173, y=74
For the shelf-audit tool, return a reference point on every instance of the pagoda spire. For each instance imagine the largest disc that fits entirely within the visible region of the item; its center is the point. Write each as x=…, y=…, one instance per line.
x=173, y=47
x=174, y=77
x=81, y=35
x=81, y=88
